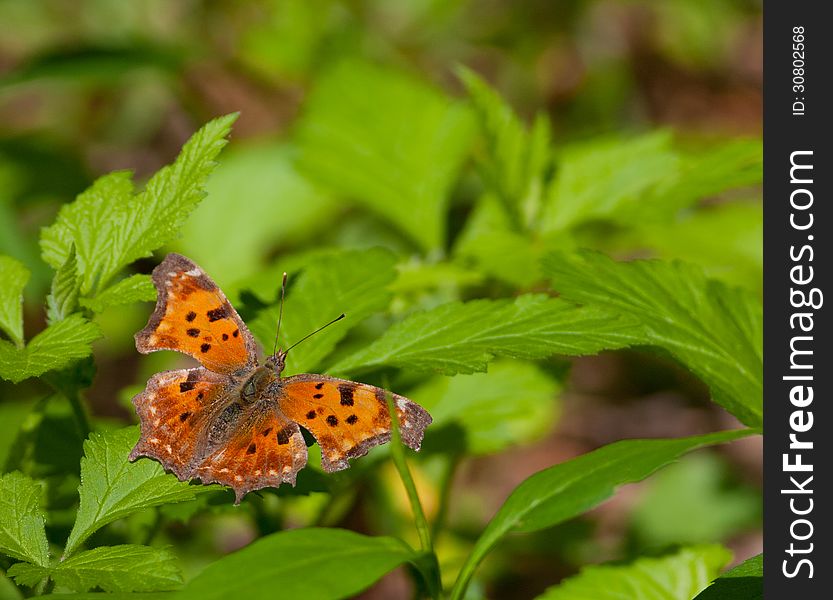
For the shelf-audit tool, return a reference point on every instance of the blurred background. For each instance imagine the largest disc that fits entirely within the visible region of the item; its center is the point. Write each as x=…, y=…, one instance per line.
x=101, y=85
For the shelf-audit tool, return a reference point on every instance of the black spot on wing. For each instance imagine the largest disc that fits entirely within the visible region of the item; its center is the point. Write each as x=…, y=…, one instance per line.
x=193, y=332
x=332, y=420
x=184, y=416
x=225, y=337
x=235, y=333
x=251, y=449
x=346, y=391
x=215, y=314
x=205, y=348
x=266, y=431
x=190, y=316
x=319, y=385
x=311, y=414
x=352, y=419
x=284, y=435
x=186, y=386
x=318, y=396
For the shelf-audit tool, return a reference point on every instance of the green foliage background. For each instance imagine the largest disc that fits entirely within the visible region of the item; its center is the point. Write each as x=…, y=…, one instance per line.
x=542, y=219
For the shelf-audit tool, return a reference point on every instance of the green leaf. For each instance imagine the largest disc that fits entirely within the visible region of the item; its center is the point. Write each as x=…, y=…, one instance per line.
x=388, y=141
x=22, y=526
x=744, y=582
x=13, y=414
x=678, y=576
x=735, y=252
x=111, y=227
x=489, y=245
x=463, y=338
x=303, y=563
x=644, y=179
x=703, y=173
x=596, y=178
x=125, y=568
x=53, y=348
x=8, y=590
x=568, y=489
x=112, y=487
x=63, y=297
x=515, y=160
x=514, y=403
x=13, y=278
x=715, y=330
x=282, y=208
x=135, y=288
x=352, y=282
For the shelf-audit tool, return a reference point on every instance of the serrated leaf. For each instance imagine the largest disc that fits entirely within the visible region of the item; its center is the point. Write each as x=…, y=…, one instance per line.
x=744, y=582
x=305, y=563
x=62, y=300
x=568, y=489
x=112, y=487
x=388, y=141
x=27, y=574
x=678, y=576
x=464, y=338
x=514, y=403
x=715, y=330
x=53, y=348
x=351, y=282
x=22, y=526
x=124, y=568
x=515, y=159
x=111, y=227
x=13, y=278
x=135, y=288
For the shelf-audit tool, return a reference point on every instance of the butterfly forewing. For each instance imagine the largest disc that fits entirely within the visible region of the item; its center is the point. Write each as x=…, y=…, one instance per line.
x=193, y=316
x=348, y=418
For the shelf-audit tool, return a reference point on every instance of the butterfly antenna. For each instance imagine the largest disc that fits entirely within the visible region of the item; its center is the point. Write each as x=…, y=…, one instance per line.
x=280, y=315
x=338, y=318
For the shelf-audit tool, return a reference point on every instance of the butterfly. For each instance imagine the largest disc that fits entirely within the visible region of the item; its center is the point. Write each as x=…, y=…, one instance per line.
x=235, y=422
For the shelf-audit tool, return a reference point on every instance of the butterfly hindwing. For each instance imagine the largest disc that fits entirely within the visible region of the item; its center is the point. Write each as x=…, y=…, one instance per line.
x=193, y=316
x=262, y=449
x=174, y=411
x=348, y=418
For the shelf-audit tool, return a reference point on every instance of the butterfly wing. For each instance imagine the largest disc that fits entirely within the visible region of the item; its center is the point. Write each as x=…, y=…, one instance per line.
x=260, y=449
x=193, y=316
x=174, y=412
x=348, y=418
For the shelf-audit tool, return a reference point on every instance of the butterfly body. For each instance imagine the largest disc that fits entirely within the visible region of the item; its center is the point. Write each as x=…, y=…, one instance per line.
x=235, y=422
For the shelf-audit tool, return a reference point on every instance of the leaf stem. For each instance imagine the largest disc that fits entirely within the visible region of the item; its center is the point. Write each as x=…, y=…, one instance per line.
x=429, y=567
x=79, y=412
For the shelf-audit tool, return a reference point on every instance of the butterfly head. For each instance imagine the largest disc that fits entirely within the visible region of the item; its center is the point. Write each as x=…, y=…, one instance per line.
x=277, y=362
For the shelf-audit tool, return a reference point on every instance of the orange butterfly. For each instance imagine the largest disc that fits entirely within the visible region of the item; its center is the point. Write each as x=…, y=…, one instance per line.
x=234, y=422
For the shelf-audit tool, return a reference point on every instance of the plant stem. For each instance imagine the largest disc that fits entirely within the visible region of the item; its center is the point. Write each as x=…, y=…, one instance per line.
x=401, y=464
x=79, y=412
